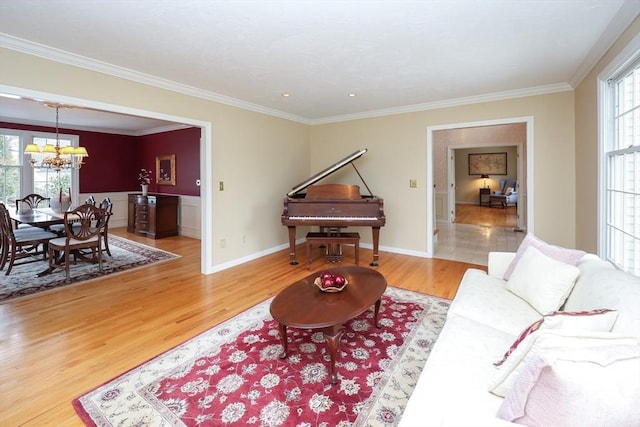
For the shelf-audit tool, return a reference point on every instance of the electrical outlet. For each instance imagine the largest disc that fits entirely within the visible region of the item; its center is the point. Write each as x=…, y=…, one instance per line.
x=413, y=183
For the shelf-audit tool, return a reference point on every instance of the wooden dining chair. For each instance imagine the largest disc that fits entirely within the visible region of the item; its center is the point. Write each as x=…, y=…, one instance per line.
x=30, y=202
x=108, y=208
x=21, y=244
x=84, y=227
x=59, y=228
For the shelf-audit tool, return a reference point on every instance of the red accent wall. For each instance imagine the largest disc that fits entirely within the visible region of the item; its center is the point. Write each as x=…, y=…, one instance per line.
x=115, y=160
x=185, y=144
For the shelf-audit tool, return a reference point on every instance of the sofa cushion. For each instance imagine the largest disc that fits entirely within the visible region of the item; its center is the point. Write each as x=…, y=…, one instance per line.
x=569, y=256
x=549, y=342
x=600, y=284
x=604, y=379
x=456, y=375
x=485, y=299
x=601, y=320
x=542, y=281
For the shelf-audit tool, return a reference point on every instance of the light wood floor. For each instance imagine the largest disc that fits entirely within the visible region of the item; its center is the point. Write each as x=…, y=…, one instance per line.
x=487, y=216
x=56, y=346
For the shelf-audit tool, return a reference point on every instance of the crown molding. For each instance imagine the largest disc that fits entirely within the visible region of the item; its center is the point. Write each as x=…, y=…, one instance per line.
x=48, y=124
x=58, y=55
x=490, y=97
x=627, y=13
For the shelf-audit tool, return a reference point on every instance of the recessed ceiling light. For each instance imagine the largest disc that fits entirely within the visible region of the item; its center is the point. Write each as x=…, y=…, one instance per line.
x=286, y=94
x=352, y=95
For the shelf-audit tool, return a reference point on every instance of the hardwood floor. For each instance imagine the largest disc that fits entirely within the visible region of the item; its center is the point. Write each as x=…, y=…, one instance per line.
x=57, y=345
x=487, y=216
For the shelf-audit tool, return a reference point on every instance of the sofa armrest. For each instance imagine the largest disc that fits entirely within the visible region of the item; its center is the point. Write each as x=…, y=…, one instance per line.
x=499, y=262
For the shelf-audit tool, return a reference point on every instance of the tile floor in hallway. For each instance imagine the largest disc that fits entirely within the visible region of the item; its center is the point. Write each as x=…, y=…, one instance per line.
x=472, y=243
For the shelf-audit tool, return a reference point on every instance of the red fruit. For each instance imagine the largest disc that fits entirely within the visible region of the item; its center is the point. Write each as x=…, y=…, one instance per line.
x=326, y=275
x=328, y=282
x=339, y=280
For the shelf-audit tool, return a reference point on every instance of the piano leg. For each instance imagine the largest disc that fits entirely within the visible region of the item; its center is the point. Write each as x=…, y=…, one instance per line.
x=292, y=246
x=375, y=231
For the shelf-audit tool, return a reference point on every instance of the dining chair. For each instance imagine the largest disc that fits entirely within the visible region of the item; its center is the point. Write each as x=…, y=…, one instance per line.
x=30, y=202
x=84, y=226
x=59, y=228
x=21, y=243
x=108, y=208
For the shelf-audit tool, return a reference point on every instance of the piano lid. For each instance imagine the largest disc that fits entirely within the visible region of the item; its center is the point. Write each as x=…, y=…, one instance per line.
x=328, y=171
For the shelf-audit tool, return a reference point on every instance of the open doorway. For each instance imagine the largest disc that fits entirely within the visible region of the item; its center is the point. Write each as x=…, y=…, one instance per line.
x=477, y=137
x=484, y=183
x=204, y=211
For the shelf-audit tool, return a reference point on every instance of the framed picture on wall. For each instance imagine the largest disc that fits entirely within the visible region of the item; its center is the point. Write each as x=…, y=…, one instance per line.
x=488, y=163
x=166, y=169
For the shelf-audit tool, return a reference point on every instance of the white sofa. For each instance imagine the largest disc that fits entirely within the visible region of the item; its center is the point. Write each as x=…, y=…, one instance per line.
x=484, y=321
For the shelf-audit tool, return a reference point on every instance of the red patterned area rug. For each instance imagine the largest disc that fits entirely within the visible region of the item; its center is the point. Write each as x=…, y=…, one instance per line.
x=232, y=374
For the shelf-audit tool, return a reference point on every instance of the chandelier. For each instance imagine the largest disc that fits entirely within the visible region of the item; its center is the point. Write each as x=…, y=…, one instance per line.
x=54, y=156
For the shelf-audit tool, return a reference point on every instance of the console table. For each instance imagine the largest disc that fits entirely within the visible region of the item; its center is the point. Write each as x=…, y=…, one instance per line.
x=485, y=196
x=154, y=215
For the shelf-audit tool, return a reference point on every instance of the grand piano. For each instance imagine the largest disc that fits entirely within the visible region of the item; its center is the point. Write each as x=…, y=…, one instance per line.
x=332, y=206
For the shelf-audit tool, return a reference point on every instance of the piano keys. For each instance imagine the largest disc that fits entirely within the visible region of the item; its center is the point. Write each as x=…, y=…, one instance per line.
x=333, y=206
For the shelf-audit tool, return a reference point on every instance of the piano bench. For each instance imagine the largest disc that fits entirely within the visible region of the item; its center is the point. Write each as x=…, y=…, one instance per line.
x=332, y=239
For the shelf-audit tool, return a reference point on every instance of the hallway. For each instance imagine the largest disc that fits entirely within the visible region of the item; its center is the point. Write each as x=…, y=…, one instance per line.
x=478, y=230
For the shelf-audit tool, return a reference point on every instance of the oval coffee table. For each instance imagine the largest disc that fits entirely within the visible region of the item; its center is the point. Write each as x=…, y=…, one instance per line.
x=302, y=305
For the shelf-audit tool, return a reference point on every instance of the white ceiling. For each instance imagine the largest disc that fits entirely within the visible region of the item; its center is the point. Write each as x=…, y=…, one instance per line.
x=394, y=55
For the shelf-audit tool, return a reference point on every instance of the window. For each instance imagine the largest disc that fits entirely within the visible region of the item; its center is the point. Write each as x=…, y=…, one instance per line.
x=621, y=168
x=18, y=178
x=10, y=167
x=48, y=182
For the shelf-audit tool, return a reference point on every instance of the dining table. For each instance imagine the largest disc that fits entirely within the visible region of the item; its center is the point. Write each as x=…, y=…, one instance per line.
x=38, y=217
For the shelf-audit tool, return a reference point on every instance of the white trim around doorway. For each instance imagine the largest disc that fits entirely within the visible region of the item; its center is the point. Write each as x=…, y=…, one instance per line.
x=206, y=179
x=529, y=194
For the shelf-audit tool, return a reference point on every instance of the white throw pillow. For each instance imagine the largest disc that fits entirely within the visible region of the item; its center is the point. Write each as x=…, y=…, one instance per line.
x=578, y=387
x=601, y=320
x=542, y=281
x=568, y=256
x=549, y=342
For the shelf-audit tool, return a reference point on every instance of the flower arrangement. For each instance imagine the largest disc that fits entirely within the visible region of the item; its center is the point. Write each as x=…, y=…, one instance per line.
x=144, y=177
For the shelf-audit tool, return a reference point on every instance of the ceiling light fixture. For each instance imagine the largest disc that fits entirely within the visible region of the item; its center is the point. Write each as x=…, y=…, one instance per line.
x=54, y=156
x=352, y=95
x=286, y=94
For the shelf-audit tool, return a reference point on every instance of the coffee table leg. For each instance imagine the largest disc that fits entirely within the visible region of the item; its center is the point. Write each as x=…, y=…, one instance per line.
x=332, y=336
x=375, y=313
x=283, y=335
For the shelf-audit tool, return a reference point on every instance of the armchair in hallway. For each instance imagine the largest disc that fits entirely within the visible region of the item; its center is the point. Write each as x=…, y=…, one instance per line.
x=507, y=195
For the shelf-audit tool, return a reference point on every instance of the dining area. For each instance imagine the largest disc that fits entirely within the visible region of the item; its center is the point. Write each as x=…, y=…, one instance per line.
x=35, y=230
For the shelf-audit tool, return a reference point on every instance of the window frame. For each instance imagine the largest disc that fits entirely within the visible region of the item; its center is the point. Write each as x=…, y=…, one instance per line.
x=628, y=57
x=27, y=172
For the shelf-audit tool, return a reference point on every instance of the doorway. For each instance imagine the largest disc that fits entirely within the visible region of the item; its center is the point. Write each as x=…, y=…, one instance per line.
x=206, y=190
x=441, y=140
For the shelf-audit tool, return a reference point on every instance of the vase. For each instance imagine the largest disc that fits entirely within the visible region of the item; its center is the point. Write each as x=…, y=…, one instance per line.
x=60, y=204
x=145, y=189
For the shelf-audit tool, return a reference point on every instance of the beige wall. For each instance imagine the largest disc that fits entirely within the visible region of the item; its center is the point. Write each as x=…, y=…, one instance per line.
x=258, y=157
x=397, y=153
x=587, y=146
